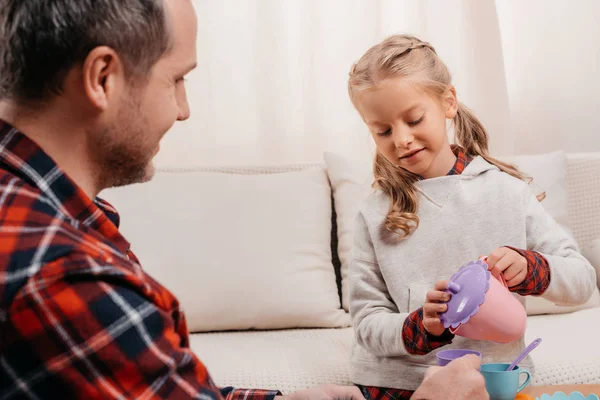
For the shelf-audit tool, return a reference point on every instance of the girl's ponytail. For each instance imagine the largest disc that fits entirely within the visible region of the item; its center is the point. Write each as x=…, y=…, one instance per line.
x=470, y=134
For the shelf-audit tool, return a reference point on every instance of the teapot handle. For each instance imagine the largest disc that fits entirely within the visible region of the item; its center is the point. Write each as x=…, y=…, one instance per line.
x=499, y=277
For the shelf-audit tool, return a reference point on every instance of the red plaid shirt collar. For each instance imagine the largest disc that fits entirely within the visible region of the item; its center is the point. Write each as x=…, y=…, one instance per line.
x=462, y=160
x=28, y=161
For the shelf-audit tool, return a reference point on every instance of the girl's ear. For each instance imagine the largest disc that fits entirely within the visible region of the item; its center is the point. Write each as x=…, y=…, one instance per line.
x=450, y=102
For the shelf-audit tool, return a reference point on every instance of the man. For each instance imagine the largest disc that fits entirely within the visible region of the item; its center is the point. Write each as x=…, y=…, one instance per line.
x=87, y=90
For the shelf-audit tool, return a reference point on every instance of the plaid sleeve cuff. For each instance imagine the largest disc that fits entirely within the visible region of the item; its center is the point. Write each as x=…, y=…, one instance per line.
x=416, y=338
x=538, y=274
x=231, y=393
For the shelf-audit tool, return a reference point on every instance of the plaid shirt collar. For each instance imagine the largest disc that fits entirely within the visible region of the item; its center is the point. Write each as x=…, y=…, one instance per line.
x=26, y=160
x=462, y=160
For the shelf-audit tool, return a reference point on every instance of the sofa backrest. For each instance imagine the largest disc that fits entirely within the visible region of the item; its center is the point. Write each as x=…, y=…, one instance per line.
x=583, y=191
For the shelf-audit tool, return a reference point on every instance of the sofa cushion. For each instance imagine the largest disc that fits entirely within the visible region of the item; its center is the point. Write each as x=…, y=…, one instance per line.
x=287, y=360
x=583, y=183
x=239, y=251
x=290, y=360
x=351, y=182
x=549, y=173
x=568, y=353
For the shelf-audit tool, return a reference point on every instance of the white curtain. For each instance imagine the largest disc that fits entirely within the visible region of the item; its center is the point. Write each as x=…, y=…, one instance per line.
x=270, y=87
x=552, y=60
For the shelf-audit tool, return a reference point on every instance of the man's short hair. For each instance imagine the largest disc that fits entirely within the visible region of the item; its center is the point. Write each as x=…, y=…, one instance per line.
x=41, y=40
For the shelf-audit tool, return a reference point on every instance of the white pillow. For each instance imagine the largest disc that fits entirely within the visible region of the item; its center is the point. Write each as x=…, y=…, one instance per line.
x=239, y=251
x=549, y=173
x=351, y=182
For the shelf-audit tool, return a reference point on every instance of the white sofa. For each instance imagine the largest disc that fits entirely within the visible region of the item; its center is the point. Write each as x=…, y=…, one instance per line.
x=301, y=335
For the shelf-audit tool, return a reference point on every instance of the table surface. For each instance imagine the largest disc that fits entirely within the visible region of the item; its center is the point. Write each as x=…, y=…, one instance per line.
x=584, y=389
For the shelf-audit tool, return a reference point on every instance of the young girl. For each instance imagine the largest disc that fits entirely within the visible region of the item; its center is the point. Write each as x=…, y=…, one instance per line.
x=437, y=206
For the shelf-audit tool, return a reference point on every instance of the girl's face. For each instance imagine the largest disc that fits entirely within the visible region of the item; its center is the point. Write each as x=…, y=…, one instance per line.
x=409, y=125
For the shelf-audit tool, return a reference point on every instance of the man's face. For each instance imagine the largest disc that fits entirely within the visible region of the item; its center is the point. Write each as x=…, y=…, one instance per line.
x=124, y=149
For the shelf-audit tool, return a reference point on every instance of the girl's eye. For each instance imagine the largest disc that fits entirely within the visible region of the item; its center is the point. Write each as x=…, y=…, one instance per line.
x=385, y=133
x=417, y=122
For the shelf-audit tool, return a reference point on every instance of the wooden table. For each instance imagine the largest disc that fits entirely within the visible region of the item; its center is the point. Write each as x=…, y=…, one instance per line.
x=584, y=389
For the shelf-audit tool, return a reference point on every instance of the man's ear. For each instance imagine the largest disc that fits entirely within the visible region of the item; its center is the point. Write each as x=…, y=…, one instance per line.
x=102, y=75
x=450, y=102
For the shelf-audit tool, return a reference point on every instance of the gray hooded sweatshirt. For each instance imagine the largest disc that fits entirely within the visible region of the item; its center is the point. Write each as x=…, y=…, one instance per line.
x=462, y=217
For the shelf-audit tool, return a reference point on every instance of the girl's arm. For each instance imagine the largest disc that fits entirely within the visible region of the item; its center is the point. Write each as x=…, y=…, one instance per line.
x=572, y=277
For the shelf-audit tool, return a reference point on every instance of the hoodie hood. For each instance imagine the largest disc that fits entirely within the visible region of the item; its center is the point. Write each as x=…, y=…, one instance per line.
x=438, y=190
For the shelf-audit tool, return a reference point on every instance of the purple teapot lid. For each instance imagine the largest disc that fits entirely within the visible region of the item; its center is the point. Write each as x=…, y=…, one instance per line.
x=468, y=287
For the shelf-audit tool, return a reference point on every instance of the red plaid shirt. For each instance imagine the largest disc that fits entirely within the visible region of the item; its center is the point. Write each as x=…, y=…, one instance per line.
x=377, y=393
x=418, y=341
x=79, y=317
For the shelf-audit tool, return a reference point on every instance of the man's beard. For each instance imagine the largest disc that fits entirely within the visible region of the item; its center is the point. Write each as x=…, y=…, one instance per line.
x=121, y=152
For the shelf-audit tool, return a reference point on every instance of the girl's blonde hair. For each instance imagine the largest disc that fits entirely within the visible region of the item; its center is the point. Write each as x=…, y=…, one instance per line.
x=405, y=55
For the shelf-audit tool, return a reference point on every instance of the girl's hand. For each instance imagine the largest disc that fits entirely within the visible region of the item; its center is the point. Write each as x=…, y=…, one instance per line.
x=509, y=263
x=433, y=307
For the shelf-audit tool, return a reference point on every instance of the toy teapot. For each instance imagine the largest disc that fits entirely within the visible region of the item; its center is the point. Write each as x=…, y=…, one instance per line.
x=482, y=307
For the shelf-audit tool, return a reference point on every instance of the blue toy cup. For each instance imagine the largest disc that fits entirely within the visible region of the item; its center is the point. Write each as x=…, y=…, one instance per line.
x=502, y=384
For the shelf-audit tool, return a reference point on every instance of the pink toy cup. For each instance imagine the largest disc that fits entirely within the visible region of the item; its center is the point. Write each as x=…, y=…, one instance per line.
x=482, y=307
